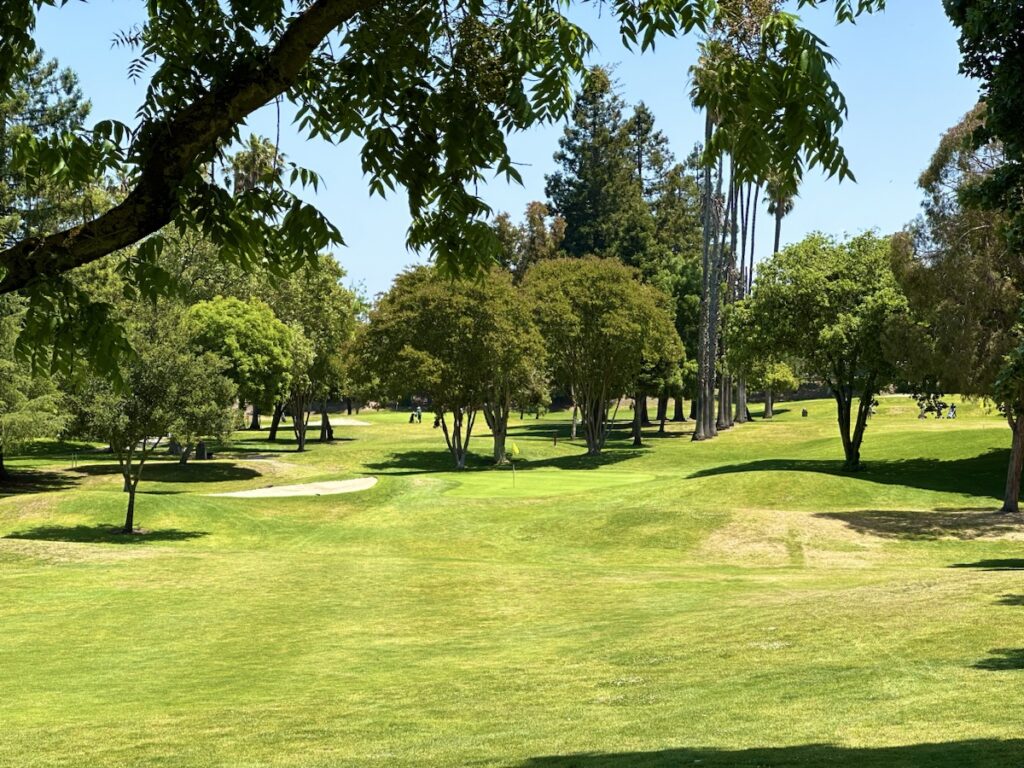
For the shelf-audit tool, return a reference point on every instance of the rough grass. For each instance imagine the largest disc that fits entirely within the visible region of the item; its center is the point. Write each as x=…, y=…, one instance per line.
x=735, y=603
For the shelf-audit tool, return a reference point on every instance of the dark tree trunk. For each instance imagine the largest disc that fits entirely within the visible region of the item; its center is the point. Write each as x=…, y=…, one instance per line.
x=298, y=408
x=593, y=425
x=348, y=405
x=184, y=454
x=693, y=408
x=638, y=439
x=779, y=213
x=678, y=411
x=3, y=467
x=201, y=452
x=1011, y=496
x=326, y=430
x=254, y=423
x=458, y=443
x=645, y=416
x=852, y=439
x=275, y=422
x=129, y=518
x=769, y=404
x=662, y=413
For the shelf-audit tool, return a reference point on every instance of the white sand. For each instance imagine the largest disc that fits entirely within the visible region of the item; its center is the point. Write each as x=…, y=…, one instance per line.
x=342, y=421
x=326, y=488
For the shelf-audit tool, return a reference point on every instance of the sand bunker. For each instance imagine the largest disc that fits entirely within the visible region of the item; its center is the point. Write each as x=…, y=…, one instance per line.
x=327, y=488
x=345, y=421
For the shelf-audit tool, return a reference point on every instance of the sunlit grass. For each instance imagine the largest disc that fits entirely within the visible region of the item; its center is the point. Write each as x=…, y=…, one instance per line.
x=738, y=602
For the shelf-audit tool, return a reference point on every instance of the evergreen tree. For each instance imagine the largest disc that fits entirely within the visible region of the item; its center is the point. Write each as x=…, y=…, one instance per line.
x=595, y=188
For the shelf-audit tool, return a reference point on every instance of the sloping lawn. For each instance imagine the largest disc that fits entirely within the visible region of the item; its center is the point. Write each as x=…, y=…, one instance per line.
x=734, y=603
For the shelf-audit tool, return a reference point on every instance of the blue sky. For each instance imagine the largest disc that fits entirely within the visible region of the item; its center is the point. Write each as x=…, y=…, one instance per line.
x=898, y=71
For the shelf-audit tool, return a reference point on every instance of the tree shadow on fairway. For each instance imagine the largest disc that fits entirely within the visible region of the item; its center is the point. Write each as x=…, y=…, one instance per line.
x=24, y=481
x=1009, y=564
x=962, y=524
x=173, y=472
x=1002, y=660
x=983, y=475
x=102, y=534
x=1011, y=600
x=979, y=753
x=425, y=462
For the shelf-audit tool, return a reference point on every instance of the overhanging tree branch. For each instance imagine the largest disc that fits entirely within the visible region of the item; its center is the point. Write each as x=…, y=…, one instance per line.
x=173, y=149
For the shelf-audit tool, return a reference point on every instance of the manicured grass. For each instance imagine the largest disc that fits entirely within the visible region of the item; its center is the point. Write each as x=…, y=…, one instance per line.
x=734, y=603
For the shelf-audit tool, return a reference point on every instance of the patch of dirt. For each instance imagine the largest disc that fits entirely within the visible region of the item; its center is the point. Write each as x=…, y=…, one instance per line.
x=760, y=537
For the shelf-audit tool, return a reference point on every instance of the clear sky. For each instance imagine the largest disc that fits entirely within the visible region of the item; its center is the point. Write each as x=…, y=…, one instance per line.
x=898, y=71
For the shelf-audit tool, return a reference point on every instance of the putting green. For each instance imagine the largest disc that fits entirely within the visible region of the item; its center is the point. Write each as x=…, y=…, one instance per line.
x=541, y=482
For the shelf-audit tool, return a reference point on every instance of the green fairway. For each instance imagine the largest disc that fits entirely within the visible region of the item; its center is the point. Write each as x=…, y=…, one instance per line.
x=734, y=603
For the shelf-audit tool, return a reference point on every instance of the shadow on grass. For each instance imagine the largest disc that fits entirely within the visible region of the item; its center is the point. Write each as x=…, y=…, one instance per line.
x=1009, y=564
x=1002, y=660
x=962, y=524
x=173, y=472
x=978, y=753
x=102, y=534
x=1011, y=600
x=425, y=462
x=24, y=481
x=983, y=475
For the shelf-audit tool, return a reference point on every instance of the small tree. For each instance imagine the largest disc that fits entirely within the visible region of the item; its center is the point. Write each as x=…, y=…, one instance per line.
x=302, y=388
x=597, y=321
x=155, y=393
x=771, y=377
x=830, y=305
x=208, y=409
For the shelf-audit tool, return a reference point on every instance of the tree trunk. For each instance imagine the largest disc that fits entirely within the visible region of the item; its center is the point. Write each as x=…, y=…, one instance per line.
x=721, y=420
x=593, y=424
x=254, y=424
x=769, y=404
x=348, y=405
x=299, y=423
x=575, y=418
x=1011, y=496
x=275, y=422
x=645, y=416
x=3, y=467
x=678, y=411
x=693, y=408
x=186, y=453
x=700, y=431
x=638, y=420
x=129, y=519
x=662, y=413
x=326, y=431
x=201, y=452
x=500, y=432
x=852, y=441
x=779, y=213
x=741, y=401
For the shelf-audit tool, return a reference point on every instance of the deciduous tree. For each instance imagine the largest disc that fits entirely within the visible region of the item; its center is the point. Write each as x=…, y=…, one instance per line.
x=595, y=317
x=831, y=305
